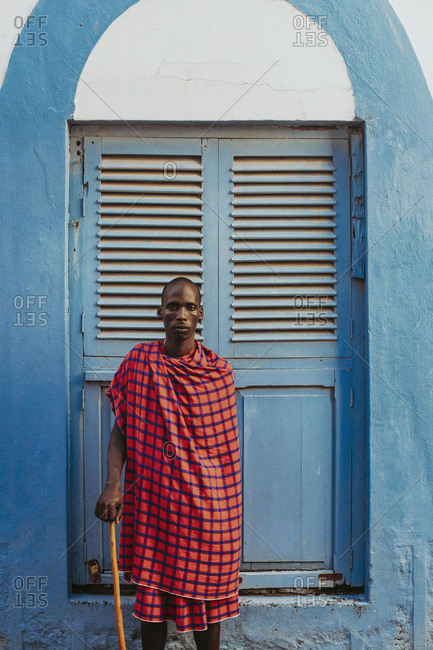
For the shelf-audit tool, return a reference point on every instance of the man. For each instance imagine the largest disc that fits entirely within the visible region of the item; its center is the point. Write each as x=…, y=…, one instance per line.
x=175, y=409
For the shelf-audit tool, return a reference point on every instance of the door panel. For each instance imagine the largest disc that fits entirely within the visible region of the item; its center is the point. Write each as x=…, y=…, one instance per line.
x=287, y=443
x=98, y=422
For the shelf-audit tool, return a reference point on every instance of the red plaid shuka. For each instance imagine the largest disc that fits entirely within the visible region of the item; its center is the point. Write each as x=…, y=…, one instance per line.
x=181, y=526
x=189, y=614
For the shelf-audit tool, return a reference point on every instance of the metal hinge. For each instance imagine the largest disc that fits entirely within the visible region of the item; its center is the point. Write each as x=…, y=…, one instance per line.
x=358, y=252
x=350, y=559
x=351, y=397
x=83, y=399
x=82, y=322
x=85, y=552
x=85, y=193
x=328, y=580
x=352, y=328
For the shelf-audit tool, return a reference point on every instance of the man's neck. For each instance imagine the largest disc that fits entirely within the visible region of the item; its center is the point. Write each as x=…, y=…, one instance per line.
x=178, y=348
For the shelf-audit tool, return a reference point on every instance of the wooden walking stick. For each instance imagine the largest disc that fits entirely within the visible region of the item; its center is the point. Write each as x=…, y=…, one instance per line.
x=116, y=585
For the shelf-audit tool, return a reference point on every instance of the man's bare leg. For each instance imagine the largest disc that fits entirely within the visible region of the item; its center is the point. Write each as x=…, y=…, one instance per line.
x=153, y=635
x=208, y=639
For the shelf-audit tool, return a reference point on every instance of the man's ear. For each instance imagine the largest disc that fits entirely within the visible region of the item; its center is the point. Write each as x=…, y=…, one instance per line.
x=201, y=313
x=158, y=312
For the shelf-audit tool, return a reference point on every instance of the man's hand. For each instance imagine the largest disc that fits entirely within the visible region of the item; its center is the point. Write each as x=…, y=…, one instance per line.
x=110, y=504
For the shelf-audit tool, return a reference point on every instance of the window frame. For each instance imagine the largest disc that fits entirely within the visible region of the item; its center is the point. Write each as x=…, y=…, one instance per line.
x=103, y=368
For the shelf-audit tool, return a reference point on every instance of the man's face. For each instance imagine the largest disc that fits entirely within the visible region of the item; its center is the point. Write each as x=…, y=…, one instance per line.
x=180, y=311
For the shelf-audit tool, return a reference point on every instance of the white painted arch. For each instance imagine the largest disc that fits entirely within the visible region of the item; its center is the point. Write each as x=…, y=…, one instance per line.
x=206, y=60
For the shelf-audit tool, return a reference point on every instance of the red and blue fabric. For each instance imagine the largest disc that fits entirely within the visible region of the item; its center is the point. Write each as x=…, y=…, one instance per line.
x=181, y=526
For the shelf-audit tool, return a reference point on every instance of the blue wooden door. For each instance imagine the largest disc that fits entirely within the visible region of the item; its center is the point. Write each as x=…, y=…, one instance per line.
x=263, y=225
x=285, y=300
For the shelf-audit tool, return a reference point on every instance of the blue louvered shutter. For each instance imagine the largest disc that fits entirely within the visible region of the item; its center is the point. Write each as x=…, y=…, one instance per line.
x=147, y=199
x=287, y=279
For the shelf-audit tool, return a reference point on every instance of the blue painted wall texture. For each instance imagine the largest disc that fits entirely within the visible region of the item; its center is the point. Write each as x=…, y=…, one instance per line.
x=391, y=96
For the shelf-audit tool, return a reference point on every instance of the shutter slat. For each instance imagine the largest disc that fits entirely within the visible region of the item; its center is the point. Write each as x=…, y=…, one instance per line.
x=292, y=189
x=283, y=200
x=154, y=199
x=288, y=245
x=134, y=335
x=163, y=225
x=147, y=276
x=153, y=210
x=295, y=335
x=279, y=281
x=153, y=189
x=269, y=164
x=149, y=162
x=141, y=233
x=116, y=278
x=143, y=244
x=290, y=177
x=282, y=234
x=283, y=260
x=119, y=255
x=128, y=313
x=314, y=256
x=282, y=292
x=313, y=302
x=118, y=175
x=274, y=225
x=130, y=301
x=125, y=290
x=283, y=326
x=279, y=271
x=157, y=235
x=294, y=314
x=262, y=212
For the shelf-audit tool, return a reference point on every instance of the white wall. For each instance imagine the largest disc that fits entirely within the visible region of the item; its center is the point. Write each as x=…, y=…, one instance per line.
x=171, y=60
x=415, y=15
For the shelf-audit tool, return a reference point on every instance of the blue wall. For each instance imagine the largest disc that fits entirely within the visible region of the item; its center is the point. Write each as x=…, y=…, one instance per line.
x=391, y=95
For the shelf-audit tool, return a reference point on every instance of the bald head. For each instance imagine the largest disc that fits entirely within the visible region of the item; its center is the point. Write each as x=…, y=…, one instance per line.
x=181, y=280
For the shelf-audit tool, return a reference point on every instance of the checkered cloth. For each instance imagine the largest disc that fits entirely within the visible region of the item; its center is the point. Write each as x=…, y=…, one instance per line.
x=156, y=606
x=181, y=527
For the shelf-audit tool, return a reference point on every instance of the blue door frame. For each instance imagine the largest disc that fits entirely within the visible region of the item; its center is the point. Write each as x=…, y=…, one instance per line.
x=319, y=498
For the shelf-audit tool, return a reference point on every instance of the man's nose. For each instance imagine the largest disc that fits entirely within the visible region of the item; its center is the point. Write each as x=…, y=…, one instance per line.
x=181, y=314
